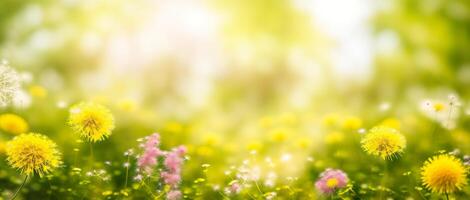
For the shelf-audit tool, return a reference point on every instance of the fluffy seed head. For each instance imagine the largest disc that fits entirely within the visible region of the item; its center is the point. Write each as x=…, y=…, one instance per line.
x=33, y=153
x=9, y=83
x=92, y=121
x=444, y=174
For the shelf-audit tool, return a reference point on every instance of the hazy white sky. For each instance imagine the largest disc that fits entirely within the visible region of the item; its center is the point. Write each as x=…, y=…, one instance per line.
x=346, y=21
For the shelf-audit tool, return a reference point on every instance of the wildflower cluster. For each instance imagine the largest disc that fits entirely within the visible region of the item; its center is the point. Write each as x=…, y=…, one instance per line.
x=170, y=171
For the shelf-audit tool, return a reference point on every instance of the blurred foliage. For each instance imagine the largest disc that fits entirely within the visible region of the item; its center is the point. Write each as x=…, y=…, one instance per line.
x=273, y=104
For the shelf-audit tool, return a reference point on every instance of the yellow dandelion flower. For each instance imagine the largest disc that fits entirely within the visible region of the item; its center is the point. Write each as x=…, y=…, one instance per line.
x=92, y=121
x=266, y=121
x=254, y=146
x=127, y=105
x=211, y=139
x=33, y=153
x=392, y=123
x=174, y=127
x=438, y=106
x=304, y=142
x=279, y=135
x=352, y=123
x=205, y=151
x=444, y=174
x=383, y=141
x=334, y=138
x=13, y=124
x=343, y=154
x=330, y=120
x=288, y=119
x=38, y=91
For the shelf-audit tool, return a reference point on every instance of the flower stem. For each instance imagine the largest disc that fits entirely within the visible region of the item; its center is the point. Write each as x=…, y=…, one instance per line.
x=91, y=155
x=384, y=179
x=449, y=117
x=259, y=189
x=127, y=171
x=21, y=186
x=447, y=196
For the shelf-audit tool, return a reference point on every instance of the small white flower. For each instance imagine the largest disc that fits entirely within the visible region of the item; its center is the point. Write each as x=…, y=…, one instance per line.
x=269, y=183
x=21, y=99
x=362, y=131
x=138, y=177
x=216, y=187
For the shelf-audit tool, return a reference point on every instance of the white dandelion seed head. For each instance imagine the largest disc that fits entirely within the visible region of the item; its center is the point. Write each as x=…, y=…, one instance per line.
x=9, y=83
x=21, y=99
x=26, y=77
x=454, y=100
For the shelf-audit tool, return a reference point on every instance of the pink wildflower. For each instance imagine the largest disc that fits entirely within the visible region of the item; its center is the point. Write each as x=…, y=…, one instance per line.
x=148, y=159
x=331, y=180
x=173, y=163
x=173, y=195
x=181, y=150
x=235, y=188
x=171, y=179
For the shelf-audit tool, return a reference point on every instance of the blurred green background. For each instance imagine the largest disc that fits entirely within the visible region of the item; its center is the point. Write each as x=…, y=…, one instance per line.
x=292, y=81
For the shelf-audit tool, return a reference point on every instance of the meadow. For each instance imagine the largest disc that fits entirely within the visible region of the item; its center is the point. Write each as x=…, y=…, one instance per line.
x=234, y=100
